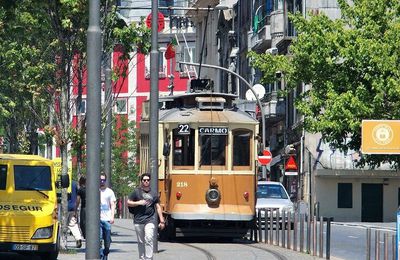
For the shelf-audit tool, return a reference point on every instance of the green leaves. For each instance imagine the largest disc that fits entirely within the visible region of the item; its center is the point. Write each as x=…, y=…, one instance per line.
x=352, y=65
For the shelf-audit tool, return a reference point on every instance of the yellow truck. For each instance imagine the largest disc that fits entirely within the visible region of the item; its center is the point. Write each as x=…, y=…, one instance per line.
x=28, y=205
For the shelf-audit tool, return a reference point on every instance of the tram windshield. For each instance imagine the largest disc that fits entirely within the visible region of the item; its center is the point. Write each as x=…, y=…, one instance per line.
x=213, y=149
x=183, y=153
x=241, y=147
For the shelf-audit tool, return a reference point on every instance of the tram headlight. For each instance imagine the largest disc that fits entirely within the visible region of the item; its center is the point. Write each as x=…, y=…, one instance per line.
x=213, y=196
x=178, y=195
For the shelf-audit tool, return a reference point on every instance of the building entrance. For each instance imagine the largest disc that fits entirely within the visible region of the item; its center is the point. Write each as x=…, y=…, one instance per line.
x=372, y=202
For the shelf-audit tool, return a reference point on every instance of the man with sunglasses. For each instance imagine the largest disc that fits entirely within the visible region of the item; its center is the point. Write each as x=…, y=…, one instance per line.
x=107, y=211
x=143, y=204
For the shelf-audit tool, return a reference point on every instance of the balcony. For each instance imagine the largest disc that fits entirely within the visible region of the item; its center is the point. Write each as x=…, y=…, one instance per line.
x=274, y=107
x=260, y=40
x=282, y=30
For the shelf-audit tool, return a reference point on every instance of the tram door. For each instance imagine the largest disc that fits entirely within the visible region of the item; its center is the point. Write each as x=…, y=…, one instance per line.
x=371, y=202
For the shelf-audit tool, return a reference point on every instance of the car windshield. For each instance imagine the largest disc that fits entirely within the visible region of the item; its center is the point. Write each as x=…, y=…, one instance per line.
x=271, y=191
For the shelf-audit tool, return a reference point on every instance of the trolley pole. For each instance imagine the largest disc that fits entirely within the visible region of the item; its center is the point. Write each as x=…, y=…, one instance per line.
x=93, y=131
x=154, y=108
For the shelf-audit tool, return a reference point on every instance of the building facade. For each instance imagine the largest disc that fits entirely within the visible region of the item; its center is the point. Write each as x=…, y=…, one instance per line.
x=327, y=180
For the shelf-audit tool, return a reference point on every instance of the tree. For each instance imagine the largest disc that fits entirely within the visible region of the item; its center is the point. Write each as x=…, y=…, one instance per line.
x=41, y=40
x=124, y=167
x=352, y=68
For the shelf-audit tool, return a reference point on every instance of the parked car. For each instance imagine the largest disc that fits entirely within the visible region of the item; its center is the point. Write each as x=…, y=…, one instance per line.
x=273, y=195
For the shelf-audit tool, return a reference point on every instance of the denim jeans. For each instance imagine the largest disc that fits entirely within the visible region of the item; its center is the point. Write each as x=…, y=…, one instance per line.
x=105, y=234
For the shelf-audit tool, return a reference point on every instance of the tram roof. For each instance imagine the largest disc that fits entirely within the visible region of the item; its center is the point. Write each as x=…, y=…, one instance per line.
x=193, y=115
x=187, y=95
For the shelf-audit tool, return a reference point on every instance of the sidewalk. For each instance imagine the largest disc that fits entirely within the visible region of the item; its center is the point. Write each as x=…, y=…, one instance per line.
x=124, y=246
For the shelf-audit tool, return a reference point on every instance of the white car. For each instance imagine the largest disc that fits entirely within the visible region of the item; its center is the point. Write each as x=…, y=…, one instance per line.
x=273, y=195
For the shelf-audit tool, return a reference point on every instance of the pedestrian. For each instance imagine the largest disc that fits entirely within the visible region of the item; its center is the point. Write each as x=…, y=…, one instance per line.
x=72, y=220
x=107, y=211
x=81, y=200
x=143, y=203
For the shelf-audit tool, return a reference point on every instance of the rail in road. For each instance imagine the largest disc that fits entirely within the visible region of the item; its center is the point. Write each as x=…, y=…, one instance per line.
x=124, y=246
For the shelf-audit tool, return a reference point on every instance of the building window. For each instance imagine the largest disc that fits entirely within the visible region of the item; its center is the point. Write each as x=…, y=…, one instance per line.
x=162, y=65
x=398, y=197
x=121, y=106
x=345, y=195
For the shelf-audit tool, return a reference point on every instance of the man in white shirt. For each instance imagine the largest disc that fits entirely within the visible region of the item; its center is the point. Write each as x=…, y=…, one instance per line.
x=107, y=211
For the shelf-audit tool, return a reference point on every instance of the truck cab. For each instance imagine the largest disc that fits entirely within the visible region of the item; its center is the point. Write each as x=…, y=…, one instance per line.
x=28, y=205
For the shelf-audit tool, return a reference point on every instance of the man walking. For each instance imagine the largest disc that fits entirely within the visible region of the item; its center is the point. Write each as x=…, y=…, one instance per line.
x=107, y=211
x=143, y=203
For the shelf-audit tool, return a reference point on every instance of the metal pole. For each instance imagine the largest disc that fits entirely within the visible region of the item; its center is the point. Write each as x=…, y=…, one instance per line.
x=108, y=126
x=93, y=131
x=328, y=238
x=154, y=65
x=321, y=237
x=368, y=256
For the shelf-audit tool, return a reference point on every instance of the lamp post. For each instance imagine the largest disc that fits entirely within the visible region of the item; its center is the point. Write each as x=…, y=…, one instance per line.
x=93, y=131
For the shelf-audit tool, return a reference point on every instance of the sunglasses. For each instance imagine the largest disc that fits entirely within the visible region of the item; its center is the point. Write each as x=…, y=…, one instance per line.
x=146, y=180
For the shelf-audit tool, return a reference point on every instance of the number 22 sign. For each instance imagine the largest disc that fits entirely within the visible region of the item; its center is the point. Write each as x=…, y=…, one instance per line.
x=183, y=129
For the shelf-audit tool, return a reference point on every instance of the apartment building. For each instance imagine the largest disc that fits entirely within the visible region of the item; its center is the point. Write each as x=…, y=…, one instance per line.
x=327, y=180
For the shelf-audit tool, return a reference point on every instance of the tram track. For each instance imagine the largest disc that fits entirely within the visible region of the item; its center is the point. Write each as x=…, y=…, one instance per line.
x=272, y=252
x=210, y=256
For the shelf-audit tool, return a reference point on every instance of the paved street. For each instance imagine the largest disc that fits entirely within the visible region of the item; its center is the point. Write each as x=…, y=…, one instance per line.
x=124, y=246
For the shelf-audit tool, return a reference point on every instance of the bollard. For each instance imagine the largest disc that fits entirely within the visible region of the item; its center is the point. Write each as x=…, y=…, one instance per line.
x=321, y=237
x=315, y=236
x=259, y=225
x=385, y=246
x=393, y=247
x=328, y=238
x=266, y=226
x=295, y=231
x=302, y=233
x=278, y=223
x=377, y=251
x=283, y=229
x=289, y=227
x=271, y=226
x=368, y=244
x=308, y=234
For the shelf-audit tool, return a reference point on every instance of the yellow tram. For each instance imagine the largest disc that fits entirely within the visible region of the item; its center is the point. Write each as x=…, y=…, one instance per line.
x=207, y=164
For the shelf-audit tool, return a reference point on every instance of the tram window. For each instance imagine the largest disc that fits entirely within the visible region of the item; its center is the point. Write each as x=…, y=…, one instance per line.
x=213, y=149
x=241, y=147
x=3, y=177
x=183, y=148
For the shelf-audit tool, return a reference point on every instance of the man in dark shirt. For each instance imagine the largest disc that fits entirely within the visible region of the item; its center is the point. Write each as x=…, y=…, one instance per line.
x=81, y=199
x=143, y=203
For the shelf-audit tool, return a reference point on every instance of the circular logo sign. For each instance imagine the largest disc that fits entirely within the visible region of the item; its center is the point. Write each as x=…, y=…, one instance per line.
x=161, y=21
x=382, y=134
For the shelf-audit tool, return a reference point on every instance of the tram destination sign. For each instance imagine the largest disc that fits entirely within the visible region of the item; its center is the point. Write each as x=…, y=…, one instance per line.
x=213, y=130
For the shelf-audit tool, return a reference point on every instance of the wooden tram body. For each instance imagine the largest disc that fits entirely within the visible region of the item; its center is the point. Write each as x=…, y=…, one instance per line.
x=207, y=164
